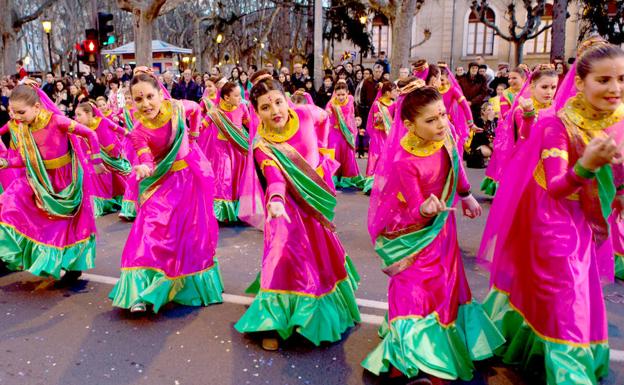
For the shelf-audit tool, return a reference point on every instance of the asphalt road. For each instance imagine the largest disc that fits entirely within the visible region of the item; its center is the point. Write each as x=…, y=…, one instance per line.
x=51, y=335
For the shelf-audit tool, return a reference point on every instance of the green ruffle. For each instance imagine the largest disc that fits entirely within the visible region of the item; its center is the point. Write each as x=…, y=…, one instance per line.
x=619, y=266
x=564, y=363
x=412, y=344
x=225, y=211
x=319, y=319
x=367, y=185
x=103, y=206
x=20, y=252
x=349, y=182
x=128, y=210
x=154, y=287
x=489, y=186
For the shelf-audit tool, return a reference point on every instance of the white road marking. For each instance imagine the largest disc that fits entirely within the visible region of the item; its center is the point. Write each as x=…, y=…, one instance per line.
x=615, y=355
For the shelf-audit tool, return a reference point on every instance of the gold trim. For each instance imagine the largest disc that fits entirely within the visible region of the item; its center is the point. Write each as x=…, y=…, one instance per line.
x=336, y=103
x=417, y=146
x=288, y=131
x=590, y=121
x=41, y=120
x=386, y=101
x=94, y=123
x=331, y=152
x=214, y=264
x=52, y=164
x=143, y=150
x=540, y=178
x=554, y=153
x=266, y=163
x=179, y=165
x=163, y=117
x=299, y=293
x=47, y=244
x=226, y=106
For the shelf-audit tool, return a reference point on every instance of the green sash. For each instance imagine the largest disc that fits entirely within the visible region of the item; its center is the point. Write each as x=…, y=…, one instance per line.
x=238, y=137
x=385, y=115
x=128, y=119
x=606, y=190
x=118, y=164
x=398, y=253
x=65, y=203
x=344, y=129
x=509, y=96
x=149, y=185
x=307, y=187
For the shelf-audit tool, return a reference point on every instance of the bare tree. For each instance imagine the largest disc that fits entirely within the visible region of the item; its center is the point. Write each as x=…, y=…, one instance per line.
x=400, y=14
x=11, y=23
x=518, y=33
x=560, y=14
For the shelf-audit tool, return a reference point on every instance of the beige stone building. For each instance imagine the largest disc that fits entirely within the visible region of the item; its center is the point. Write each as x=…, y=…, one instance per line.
x=458, y=37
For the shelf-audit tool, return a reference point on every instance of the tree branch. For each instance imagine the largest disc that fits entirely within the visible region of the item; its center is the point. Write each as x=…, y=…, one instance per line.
x=534, y=35
x=17, y=24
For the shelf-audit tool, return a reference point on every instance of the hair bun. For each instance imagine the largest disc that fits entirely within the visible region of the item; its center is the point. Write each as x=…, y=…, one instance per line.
x=413, y=86
x=589, y=43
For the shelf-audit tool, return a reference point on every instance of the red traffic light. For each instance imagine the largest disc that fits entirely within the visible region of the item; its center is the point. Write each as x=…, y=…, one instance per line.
x=91, y=46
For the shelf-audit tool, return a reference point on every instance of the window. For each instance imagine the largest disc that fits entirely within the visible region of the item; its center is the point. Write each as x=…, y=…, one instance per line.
x=381, y=38
x=480, y=38
x=541, y=43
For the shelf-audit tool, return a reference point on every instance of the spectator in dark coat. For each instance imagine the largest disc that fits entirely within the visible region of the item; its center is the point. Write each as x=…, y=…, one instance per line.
x=475, y=88
x=186, y=88
x=325, y=92
x=369, y=90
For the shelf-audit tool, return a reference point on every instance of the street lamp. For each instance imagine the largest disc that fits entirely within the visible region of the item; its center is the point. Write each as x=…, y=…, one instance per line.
x=219, y=38
x=47, y=28
x=363, y=19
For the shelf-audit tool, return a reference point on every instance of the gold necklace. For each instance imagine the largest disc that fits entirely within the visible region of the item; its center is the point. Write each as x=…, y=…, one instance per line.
x=281, y=135
x=415, y=145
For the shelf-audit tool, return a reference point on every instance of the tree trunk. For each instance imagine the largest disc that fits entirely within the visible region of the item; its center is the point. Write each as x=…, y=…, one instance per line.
x=518, y=53
x=143, y=38
x=9, y=55
x=560, y=9
x=401, y=37
x=318, y=43
x=197, y=44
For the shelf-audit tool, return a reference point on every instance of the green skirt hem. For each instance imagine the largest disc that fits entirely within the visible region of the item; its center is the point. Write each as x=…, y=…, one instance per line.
x=414, y=344
x=367, y=184
x=128, y=210
x=225, y=211
x=349, y=182
x=619, y=266
x=318, y=319
x=102, y=206
x=21, y=253
x=489, y=186
x=153, y=287
x=564, y=363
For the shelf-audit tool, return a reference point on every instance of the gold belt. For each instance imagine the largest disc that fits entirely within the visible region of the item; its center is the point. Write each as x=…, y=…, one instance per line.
x=59, y=162
x=179, y=165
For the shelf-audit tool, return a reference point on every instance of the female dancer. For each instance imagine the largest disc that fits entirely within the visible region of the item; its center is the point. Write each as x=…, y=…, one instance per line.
x=342, y=133
x=547, y=232
x=227, y=150
x=378, y=127
x=46, y=220
x=456, y=106
x=517, y=76
x=536, y=96
x=169, y=254
x=434, y=325
x=108, y=187
x=307, y=282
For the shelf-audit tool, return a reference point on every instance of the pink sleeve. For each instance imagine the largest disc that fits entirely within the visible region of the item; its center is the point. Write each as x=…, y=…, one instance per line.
x=72, y=127
x=276, y=184
x=193, y=115
x=142, y=149
x=523, y=123
x=117, y=129
x=4, y=129
x=321, y=123
x=463, y=184
x=561, y=180
x=463, y=104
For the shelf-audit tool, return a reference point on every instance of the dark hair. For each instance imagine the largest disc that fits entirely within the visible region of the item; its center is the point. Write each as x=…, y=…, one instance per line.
x=25, y=94
x=254, y=67
x=227, y=89
x=341, y=86
x=387, y=87
x=263, y=87
x=519, y=70
x=367, y=69
x=594, y=54
x=483, y=67
x=259, y=73
x=50, y=73
x=214, y=79
x=404, y=82
x=444, y=70
x=298, y=98
x=541, y=73
x=144, y=78
x=86, y=107
x=114, y=80
x=328, y=77
x=20, y=62
x=434, y=71
x=416, y=100
x=472, y=64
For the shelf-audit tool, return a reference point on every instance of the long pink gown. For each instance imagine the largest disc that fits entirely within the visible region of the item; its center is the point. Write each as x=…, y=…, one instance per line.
x=348, y=173
x=378, y=126
x=33, y=237
x=434, y=325
x=307, y=283
x=170, y=252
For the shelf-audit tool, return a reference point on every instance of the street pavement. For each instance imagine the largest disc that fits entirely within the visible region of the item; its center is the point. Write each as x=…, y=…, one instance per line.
x=73, y=336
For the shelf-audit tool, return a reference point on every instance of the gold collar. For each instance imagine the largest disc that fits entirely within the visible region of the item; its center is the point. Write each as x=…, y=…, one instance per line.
x=386, y=101
x=444, y=89
x=41, y=120
x=226, y=106
x=539, y=106
x=107, y=112
x=288, y=131
x=587, y=118
x=163, y=117
x=418, y=146
x=94, y=123
x=336, y=103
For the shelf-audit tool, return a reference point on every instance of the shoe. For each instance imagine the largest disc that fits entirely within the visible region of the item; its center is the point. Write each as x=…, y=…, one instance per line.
x=270, y=344
x=71, y=276
x=139, y=307
x=4, y=270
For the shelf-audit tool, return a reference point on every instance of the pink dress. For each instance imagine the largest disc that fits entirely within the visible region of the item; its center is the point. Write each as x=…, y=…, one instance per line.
x=459, y=112
x=307, y=282
x=227, y=160
x=343, y=143
x=44, y=238
x=378, y=125
x=170, y=252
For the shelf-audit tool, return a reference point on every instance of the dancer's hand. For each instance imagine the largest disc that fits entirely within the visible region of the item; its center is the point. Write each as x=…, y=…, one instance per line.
x=142, y=171
x=600, y=151
x=433, y=206
x=277, y=210
x=99, y=168
x=471, y=207
x=525, y=104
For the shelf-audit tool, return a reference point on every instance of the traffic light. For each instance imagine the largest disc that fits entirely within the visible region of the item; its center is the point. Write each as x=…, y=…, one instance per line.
x=80, y=52
x=91, y=46
x=105, y=29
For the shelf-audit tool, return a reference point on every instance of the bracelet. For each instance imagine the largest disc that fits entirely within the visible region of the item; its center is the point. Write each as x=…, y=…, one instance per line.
x=280, y=197
x=96, y=156
x=582, y=171
x=529, y=114
x=464, y=195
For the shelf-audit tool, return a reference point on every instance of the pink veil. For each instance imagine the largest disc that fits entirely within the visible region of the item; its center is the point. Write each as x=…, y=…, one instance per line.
x=508, y=200
x=459, y=119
